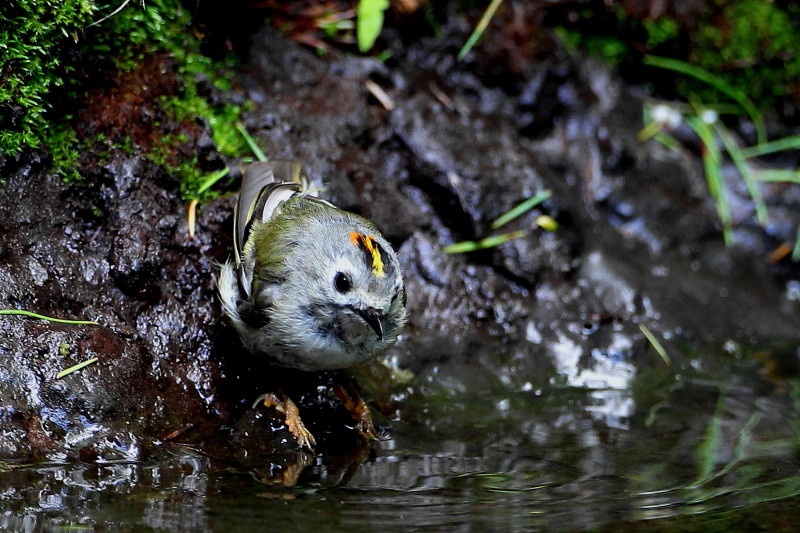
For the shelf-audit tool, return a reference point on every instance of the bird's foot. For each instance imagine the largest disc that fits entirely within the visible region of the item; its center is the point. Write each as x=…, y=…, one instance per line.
x=283, y=404
x=358, y=409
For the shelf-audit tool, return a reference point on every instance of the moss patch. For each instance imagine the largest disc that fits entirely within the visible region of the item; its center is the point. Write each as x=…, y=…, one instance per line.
x=755, y=46
x=32, y=35
x=134, y=83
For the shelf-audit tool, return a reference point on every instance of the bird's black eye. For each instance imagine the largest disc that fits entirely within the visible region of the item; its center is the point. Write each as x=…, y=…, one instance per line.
x=342, y=282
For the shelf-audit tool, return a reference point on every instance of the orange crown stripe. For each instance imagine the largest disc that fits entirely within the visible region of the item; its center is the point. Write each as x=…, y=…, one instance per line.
x=369, y=243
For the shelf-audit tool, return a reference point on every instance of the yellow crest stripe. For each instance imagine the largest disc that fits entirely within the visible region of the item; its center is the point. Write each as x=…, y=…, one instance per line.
x=369, y=244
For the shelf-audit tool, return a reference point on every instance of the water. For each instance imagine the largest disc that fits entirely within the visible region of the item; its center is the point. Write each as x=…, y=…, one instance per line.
x=710, y=450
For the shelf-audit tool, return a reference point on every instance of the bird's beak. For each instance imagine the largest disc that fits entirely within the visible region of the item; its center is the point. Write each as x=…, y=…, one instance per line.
x=373, y=318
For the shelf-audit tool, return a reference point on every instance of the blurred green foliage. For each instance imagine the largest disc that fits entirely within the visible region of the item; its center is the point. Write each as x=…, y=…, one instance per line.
x=752, y=45
x=756, y=46
x=369, y=22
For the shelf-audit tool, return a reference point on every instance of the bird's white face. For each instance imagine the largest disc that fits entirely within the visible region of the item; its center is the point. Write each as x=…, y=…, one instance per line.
x=360, y=294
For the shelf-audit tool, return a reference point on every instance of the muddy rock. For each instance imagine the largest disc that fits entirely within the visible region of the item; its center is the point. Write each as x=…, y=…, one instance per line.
x=99, y=252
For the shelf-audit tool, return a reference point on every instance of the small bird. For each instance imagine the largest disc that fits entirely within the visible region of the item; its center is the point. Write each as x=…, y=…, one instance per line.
x=311, y=286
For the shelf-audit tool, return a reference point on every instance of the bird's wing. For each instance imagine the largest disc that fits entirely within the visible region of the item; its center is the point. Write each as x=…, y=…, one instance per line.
x=265, y=186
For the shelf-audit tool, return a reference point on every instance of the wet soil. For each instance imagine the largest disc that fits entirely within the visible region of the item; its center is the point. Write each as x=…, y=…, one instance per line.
x=525, y=379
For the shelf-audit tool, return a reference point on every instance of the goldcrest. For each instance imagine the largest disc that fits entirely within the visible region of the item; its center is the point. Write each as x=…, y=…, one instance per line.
x=311, y=286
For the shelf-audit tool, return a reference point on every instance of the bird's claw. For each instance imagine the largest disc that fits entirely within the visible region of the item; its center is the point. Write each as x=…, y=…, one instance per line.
x=283, y=404
x=358, y=409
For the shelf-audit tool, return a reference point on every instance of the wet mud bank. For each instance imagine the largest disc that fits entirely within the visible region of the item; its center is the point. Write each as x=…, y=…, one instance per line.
x=436, y=160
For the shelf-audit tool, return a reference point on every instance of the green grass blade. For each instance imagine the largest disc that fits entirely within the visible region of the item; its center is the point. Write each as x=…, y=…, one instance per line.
x=488, y=242
x=778, y=145
x=521, y=209
x=711, y=165
x=651, y=129
x=43, y=317
x=479, y=29
x=712, y=440
x=719, y=84
x=743, y=442
x=778, y=176
x=656, y=344
x=667, y=140
x=211, y=179
x=75, y=368
x=251, y=142
x=744, y=171
x=796, y=250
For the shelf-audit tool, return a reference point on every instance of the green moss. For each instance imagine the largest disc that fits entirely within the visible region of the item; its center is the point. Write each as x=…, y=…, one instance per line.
x=138, y=30
x=32, y=33
x=221, y=118
x=65, y=149
x=660, y=31
x=755, y=32
x=609, y=49
x=164, y=27
x=757, y=48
